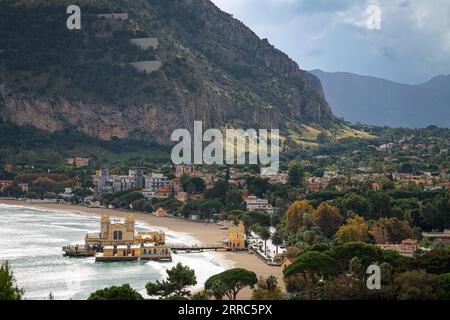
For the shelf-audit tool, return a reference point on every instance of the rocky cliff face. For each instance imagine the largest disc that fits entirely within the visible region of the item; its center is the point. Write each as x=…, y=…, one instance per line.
x=214, y=69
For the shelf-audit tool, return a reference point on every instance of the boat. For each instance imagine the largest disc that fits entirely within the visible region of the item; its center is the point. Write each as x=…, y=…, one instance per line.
x=79, y=251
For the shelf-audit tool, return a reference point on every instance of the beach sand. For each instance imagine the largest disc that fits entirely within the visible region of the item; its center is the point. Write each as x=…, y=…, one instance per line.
x=204, y=233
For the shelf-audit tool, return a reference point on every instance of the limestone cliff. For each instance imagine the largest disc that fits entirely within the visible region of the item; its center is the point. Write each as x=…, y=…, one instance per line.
x=214, y=69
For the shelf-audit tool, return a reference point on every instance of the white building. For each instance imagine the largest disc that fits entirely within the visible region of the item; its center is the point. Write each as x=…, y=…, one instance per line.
x=105, y=183
x=156, y=181
x=255, y=204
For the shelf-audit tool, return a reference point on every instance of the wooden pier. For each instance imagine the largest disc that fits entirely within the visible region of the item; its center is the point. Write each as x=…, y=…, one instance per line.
x=200, y=248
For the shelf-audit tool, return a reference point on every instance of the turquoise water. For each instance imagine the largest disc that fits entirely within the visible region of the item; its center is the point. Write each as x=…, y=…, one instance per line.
x=31, y=240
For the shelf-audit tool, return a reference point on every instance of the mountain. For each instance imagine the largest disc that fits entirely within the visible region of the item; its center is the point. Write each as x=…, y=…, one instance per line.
x=200, y=64
x=385, y=103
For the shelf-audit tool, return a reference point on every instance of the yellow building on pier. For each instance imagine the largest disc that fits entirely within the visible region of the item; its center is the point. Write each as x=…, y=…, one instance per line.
x=114, y=232
x=236, y=236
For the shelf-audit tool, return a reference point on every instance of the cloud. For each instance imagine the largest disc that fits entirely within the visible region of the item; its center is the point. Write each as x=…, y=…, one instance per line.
x=412, y=46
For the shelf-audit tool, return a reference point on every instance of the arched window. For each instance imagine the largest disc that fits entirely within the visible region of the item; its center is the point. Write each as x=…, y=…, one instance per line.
x=117, y=235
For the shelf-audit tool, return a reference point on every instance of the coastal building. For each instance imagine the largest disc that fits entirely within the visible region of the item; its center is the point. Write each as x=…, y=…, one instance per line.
x=439, y=237
x=281, y=177
x=119, y=253
x=161, y=212
x=5, y=184
x=156, y=181
x=286, y=263
x=157, y=237
x=407, y=248
x=314, y=185
x=134, y=252
x=181, y=170
x=77, y=162
x=149, y=194
x=236, y=237
x=253, y=203
x=112, y=232
x=105, y=183
x=9, y=166
x=156, y=252
x=25, y=187
x=182, y=196
x=164, y=192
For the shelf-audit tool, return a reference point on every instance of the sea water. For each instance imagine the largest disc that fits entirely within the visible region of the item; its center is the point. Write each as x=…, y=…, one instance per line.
x=31, y=240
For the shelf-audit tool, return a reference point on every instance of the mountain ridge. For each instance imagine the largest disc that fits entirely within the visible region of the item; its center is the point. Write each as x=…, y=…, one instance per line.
x=214, y=69
x=377, y=101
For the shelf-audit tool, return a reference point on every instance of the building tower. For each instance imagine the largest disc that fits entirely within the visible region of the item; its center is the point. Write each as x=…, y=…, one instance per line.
x=105, y=226
x=236, y=236
x=129, y=223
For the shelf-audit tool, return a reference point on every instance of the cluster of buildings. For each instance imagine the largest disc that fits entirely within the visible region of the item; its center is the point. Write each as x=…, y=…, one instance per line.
x=105, y=183
x=408, y=247
x=428, y=181
x=118, y=241
x=315, y=184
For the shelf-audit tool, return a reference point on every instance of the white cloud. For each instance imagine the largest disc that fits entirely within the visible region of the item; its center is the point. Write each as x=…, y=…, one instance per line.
x=412, y=45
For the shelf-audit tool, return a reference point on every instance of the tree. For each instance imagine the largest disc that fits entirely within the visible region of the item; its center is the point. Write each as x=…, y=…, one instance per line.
x=178, y=279
x=295, y=177
x=444, y=286
x=232, y=281
x=380, y=204
x=277, y=239
x=258, y=186
x=367, y=253
x=124, y=292
x=142, y=205
x=194, y=185
x=234, y=200
x=435, y=213
x=311, y=266
x=328, y=218
x=267, y=289
x=344, y=287
x=416, y=285
x=436, y=261
x=297, y=216
x=323, y=138
x=355, y=203
x=218, y=191
x=391, y=230
x=355, y=230
x=264, y=233
x=216, y=289
x=8, y=288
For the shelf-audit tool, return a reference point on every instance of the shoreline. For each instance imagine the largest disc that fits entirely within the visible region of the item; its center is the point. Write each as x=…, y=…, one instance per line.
x=201, y=232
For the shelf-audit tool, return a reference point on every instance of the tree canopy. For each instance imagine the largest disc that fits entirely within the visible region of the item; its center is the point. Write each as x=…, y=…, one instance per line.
x=232, y=281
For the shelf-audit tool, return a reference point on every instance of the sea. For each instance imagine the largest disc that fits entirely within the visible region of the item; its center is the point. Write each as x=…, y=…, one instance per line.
x=31, y=240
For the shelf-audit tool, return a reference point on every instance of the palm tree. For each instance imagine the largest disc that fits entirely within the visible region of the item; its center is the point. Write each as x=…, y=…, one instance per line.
x=277, y=240
x=271, y=283
x=264, y=233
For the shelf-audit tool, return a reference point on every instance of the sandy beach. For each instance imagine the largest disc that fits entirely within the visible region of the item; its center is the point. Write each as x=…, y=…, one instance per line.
x=204, y=233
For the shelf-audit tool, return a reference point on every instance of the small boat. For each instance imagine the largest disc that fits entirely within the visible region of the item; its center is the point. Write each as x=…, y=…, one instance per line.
x=78, y=251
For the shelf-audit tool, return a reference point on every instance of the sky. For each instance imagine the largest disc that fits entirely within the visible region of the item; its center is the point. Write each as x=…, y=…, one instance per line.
x=406, y=41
